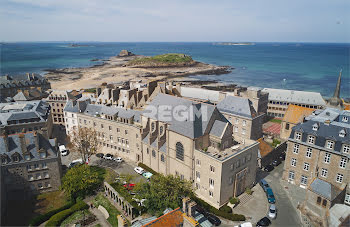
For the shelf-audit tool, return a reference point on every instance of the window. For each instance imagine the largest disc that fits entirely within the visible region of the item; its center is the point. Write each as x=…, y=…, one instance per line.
x=298, y=136
x=342, y=133
x=296, y=148
x=293, y=162
x=287, y=126
x=147, y=151
x=84, y=121
x=324, y=172
x=110, y=128
x=330, y=144
x=40, y=185
x=345, y=119
x=236, y=129
x=198, y=162
x=46, y=175
x=182, y=177
x=311, y=139
x=327, y=157
x=162, y=158
x=324, y=203
x=153, y=126
x=308, y=152
x=30, y=177
x=303, y=180
x=118, y=130
x=339, y=178
x=47, y=184
x=43, y=154
x=230, y=180
x=29, y=167
x=346, y=148
x=44, y=165
x=347, y=198
x=153, y=153
x=343, y=163
x=198, y=176
x=212, y=169
x=319, y=199
x=179, y=151
x=161, y=129
x=232, y=166
x=101, y=125
x=211, y=194
x=237, y=121
x=111, y=138
x=27, y=157
x=211, y=183
x=198, y=186
x=38, y=176
x=315, y=127
x=306, y=166
x=126, y=132
x=244, y=122
x=243, y=131
x=36, y=166
x=15, y=158
x=291, y=175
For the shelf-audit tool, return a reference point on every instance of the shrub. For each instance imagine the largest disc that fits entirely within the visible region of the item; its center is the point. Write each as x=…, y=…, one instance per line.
x=44, y=217
x=248, y=191
x=58, y=218
x=230, y=216
x=226, y=209
x=234, y=200
x=147, y=168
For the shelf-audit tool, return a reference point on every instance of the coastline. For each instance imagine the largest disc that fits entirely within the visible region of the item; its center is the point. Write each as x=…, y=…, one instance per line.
x=116, y=69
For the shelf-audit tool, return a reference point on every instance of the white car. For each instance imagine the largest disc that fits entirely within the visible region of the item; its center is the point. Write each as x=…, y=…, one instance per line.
x=108, y=157
x=139, y=170
x=245, y=224
x=63, y=150
x=272, y=211
x=75, y=162
x=118, y=159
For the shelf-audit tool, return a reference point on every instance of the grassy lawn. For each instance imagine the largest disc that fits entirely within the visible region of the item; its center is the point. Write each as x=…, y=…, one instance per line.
x=113, y=212
x=276, y=121
x=75, y=217
x=164, y=58
x=49, y=201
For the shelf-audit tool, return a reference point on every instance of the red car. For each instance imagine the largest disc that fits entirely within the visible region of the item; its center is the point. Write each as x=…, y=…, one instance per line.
x=129, y=186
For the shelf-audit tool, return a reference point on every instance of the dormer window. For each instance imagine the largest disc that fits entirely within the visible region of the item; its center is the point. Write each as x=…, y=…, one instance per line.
x=42, y=154
x=330, y=144
x=298, y=136
x=15, y=158
x=345, y=119
x=311, y=139
x=315, y=127
x=3, y=159
x=342, y=133
x=27, y=157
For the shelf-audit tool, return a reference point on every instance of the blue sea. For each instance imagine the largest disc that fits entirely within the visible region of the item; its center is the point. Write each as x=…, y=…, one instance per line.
x=298, y=66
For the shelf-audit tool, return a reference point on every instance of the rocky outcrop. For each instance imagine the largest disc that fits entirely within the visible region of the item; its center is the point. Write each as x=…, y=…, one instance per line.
x=125, y=53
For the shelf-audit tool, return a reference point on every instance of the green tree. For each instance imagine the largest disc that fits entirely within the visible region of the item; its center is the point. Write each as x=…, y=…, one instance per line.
x=82, y=180
x=163, y=192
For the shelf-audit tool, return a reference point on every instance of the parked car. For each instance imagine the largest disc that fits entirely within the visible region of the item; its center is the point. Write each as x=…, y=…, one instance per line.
x=264, y=184
x=265, y=221
x=63, y=150
x=108, y=157
x=276, y=162
x=201, y=210
x=147, y=175
x=268, y=168
x=129, y=186
x=139, y=170
x=100, y=155
x=283, y=156
x=213, y=220
x=245, y=224
x=75, y=162
x=270, y=196
x=118, y=159
x=272, y=211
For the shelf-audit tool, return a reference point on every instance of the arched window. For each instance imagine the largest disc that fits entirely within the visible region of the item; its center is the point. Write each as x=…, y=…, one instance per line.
x=161, y=130
x=324, y=203
x=153, y=126
x=162, y=158
x=319, y=200
x=179, y=151
x=153, y=153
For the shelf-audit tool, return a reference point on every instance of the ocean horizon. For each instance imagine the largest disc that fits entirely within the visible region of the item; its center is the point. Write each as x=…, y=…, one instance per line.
x=286, y=65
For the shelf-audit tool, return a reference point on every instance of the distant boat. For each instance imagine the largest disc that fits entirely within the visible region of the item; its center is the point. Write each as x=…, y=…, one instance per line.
x=235, y=44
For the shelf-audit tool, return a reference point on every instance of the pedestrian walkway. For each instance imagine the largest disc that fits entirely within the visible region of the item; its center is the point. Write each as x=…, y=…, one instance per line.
x=243, y=199
x=100, y=217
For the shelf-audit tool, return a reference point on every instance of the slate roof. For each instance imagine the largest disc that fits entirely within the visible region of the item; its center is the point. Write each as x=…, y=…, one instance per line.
x=200, y=93
x=14, y=146
x=237, y=106
x=324, y=189
x=296, y=114
x=192, y=125
x=292, y=96
x=23, y=111
x=21, y=80
x=94, y=109
x=218, y=128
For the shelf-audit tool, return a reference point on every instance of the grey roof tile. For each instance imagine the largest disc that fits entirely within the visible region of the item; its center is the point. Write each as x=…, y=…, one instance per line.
x=218, y=128
x=237, y=106
x=324, y=189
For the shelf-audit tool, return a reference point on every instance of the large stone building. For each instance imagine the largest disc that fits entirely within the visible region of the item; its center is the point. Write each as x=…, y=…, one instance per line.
x=280, y=99
x=317, y=158
x=11, y=85
x=57, y=101
x=197, y=147
x=30, y=163
x=25, y=116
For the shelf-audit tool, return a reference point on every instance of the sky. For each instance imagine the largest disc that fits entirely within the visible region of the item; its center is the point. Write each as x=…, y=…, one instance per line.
x=175, y=20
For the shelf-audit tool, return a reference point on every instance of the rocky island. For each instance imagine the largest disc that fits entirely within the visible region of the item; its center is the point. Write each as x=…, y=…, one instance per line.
x=127, y=66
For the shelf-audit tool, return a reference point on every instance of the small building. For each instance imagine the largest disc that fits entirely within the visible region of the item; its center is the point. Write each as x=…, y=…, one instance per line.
x=293, y=116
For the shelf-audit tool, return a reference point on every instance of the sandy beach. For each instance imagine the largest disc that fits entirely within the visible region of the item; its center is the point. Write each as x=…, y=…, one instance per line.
x=116, y=69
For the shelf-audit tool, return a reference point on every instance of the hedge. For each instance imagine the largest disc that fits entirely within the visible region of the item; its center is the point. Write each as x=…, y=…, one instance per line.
x=221, y=213
x=58, y=218
x=147, y=168
x=44, y=217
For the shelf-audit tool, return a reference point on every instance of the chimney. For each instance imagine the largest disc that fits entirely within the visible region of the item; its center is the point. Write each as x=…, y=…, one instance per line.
x=33, y=76
x=22, y=141
x=28, y=76
x=98, y=91
x=191, y=208
x=44, y=133
x=6, y=141
x=36, y=140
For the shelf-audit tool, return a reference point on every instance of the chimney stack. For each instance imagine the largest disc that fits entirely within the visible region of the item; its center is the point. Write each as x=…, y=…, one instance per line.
x=6, y=141
x=22, y=141
x=28, y=76
x=191, y=208
x=185, y=202
x=44, y=133
x=36, y=140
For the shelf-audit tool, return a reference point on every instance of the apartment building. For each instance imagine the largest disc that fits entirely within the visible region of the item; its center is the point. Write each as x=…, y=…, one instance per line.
x=11, y=85
x=246, y=121
x=118, y=129
x=57, y=101
x=280, y=99
x=294, y=115
x=317, y=158
x=25, y=116
x=197, y=146
x=30, y=163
